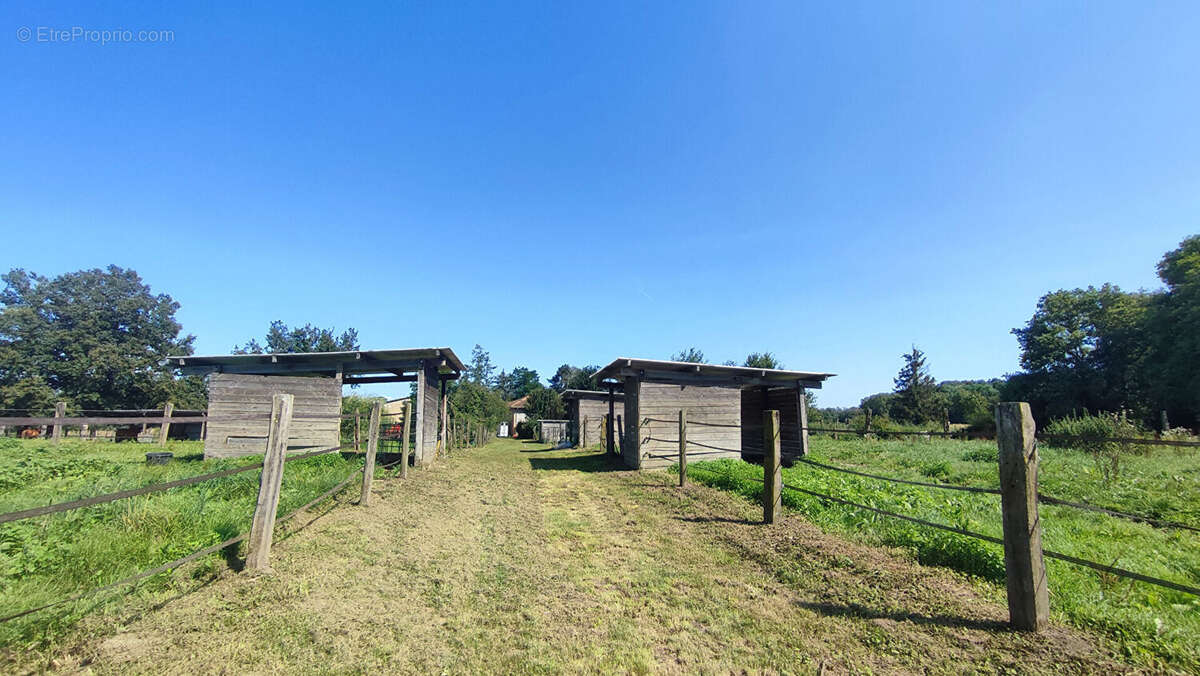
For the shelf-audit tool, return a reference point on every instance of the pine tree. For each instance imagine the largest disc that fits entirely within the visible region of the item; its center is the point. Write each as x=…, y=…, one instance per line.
x=917, y=399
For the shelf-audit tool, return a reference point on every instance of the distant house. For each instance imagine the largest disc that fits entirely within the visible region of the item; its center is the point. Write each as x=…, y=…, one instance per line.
x=518, y=412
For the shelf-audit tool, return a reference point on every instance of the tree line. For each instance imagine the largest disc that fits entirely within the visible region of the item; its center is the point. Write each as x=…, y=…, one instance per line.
x=98, y=339
x=1083, y=351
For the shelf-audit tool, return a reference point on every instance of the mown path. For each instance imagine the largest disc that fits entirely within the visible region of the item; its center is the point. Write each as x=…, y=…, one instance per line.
x=513, y=558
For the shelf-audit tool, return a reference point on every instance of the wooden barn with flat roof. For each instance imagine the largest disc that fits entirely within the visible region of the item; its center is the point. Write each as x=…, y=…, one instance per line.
x=240, y=387
x=586, y=410
x=724, y=407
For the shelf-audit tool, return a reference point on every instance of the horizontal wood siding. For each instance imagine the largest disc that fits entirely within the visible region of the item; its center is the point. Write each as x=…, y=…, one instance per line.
x=715, y=405
x=783, y=400
x=317, y=403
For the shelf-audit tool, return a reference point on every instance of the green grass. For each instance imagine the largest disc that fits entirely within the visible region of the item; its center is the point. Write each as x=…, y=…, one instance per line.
x=1149, y=624
x=48, y=558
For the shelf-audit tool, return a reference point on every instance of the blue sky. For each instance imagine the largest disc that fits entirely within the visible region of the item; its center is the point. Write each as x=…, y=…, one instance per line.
x=563, y=182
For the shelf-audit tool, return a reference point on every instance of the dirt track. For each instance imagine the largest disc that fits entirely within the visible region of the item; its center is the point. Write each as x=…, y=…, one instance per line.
x=513, y=558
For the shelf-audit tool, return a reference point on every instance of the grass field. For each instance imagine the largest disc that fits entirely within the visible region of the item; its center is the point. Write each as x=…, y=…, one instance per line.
x=47, y=558
x=516, y=558
x=1154, y=626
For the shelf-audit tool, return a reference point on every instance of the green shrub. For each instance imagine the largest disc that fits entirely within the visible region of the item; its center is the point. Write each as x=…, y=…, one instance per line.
x=936, y=469
x=991, y=455
x=1090, y=433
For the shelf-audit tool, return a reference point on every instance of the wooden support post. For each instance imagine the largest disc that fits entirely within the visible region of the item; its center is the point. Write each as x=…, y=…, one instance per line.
x=583, y=425
x=372, y=448
x=258, y=546
x=407, y=425
x=166, y=426
x=772, y=470
x=620, y=434
x=802, y=416
x=1028, y=594
x=609, y=444
x=60, y=411
x=444, y=416
x=682, y=447
x=357, y=433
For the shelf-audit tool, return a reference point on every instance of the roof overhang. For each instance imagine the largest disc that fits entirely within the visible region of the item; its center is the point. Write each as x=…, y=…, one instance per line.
x=590, y=394
x=688, y=373
x=356, y=367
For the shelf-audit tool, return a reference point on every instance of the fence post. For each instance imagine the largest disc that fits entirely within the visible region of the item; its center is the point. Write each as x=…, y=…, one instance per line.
x=1028, y=596
x=372, y=447
x=60, y=410
x=357, y=423
x=407, y=423
x=583, y=425
x=606, y=433
x=772, y=471
x=682, y=447
x=166, y=426
x=258, y=547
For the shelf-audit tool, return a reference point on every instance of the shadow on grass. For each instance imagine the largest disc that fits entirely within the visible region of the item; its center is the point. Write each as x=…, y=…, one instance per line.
x=593, y=462
x=863, y=612
x=718, y=519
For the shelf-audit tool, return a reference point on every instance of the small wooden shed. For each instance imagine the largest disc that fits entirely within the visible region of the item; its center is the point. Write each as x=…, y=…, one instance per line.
x=240, y=387
x=724, y=407
x=553, y=431
x=586, y=410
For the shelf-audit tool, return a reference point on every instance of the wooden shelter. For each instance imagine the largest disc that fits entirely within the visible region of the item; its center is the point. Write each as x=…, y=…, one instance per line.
x=586, y=410
x=724, y=407
x=240, y=388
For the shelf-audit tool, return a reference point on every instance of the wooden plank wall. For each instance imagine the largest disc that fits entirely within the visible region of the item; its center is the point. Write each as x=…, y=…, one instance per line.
x=552, y=431
x=236, y=395
x=783, y=400
x=594, y=410
x=719, y=405
x=429, y=393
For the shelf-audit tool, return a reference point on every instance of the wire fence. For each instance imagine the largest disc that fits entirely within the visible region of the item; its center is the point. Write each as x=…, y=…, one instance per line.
x=198, y=554
x=1112, y=570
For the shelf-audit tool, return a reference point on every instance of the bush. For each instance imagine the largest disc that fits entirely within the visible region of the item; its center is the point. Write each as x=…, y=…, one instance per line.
x=1091, y=433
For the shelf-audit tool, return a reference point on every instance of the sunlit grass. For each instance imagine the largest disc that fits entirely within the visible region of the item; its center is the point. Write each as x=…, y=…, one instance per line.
x=52, y=557
x=1152, y=624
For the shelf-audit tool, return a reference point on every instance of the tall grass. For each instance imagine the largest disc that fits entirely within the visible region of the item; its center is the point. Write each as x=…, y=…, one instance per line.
x=1157, y=626
x=48, y=558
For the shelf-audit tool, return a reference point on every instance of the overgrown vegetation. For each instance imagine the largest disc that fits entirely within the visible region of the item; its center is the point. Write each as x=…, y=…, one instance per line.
x=1153, y=625
x=48, y=558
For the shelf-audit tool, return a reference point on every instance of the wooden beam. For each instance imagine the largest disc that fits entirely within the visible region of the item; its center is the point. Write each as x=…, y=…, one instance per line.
x=368, y=380
x=686, y=378
x=166, y=426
